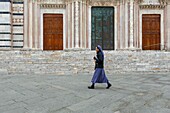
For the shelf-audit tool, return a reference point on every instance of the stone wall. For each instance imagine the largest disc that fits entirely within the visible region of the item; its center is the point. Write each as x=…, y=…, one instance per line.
x=73, y=62
x=5, y=24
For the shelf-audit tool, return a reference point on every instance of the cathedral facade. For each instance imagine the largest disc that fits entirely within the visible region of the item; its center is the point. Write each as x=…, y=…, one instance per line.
x=83, y=24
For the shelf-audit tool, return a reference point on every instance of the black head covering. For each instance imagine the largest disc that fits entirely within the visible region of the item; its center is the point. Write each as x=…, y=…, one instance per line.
x=100, y=49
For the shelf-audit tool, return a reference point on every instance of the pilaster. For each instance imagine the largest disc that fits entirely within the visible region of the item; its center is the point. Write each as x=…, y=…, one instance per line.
x=77, y=24
x=30, y=24
x=35, y=25
x=131, y=23
x=168, y=27
x=26, y=24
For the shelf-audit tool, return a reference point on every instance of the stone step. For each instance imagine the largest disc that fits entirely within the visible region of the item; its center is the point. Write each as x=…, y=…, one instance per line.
x=60, y=62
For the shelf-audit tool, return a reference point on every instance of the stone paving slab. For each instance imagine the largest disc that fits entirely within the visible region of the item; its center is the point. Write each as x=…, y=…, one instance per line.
x=130, y=93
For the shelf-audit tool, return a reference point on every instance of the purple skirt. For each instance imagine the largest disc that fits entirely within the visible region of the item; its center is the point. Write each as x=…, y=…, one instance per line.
x=99, y=76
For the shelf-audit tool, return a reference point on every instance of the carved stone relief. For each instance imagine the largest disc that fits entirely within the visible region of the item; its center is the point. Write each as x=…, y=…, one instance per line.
x=153, y=4
x=104, y=2
x=53, y=6
x=153, y=1
x=49, y=1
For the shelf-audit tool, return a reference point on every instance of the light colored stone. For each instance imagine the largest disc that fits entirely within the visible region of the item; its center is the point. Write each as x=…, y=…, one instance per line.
x=5, y=6
x=5, y=36
x=18, y=29
x=5, y=18
x=5, y=28
x=5, y=43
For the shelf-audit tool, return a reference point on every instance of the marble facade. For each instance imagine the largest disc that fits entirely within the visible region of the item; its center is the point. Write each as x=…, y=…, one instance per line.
x=25, y=29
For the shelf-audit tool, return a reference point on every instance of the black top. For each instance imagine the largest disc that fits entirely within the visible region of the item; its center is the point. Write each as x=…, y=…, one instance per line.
x=99, y=60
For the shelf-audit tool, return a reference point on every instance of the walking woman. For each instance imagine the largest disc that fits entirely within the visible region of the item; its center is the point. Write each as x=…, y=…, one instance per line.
x=99, y=74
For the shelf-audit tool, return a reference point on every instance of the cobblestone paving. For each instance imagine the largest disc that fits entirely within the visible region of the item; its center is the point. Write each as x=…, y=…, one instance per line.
x=130, y=93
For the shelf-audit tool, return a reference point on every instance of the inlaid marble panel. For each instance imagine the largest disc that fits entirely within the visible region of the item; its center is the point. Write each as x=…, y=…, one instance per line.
x=17, y=37
x=5, y=36
x=5, y=43
x=5, y=6
x=18, y=8
x=17, y=43
x=18, y=29
x=5, y=28
x=18, y=21
x=5, y=18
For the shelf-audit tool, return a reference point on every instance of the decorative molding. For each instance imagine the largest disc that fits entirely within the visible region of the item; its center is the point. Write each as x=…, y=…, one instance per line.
x=152, y=6
x=49, y=1
x=18, y=20
x=162, y=2
x=19, y=8
x=18, y=0
x=52, y=6
x=103, y=3
x=160, y=5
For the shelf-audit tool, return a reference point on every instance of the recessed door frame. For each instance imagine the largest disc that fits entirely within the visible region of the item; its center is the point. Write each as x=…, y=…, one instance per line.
x=161, y=25
x=102, y=23
x=52, y=11
x=115, y=25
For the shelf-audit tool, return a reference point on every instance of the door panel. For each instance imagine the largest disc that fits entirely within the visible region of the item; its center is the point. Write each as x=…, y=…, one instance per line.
x=102, y=27
x=151, y=32
x=53, y=32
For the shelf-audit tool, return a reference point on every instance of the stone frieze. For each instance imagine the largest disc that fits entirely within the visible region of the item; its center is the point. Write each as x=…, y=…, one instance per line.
x=152, y=6
x=53, y=6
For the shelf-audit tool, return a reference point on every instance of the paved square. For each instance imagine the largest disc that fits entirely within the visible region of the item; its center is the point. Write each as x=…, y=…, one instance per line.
x=130, y=93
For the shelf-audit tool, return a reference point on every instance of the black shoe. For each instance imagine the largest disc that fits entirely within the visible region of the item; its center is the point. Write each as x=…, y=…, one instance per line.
x=91, y=87
x=109, y=85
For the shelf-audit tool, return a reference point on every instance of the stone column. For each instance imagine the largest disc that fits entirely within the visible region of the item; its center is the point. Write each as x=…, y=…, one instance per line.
x=72, y=25
x=35, y=26
x=121, y=30
x=88, y=27
x=25, y=24
x=168, y=26
x=81, y=23
x=30, y=24
x=76, y=24
x=126, y=25
x=136, y=24
x=131, y=23
x=68, y=24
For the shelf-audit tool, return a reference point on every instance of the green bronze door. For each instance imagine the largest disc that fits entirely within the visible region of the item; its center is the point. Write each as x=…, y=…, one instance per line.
x=102, y=28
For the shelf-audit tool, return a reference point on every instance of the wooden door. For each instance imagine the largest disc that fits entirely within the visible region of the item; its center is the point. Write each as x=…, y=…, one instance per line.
x=53, y=32
x=151, y=32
